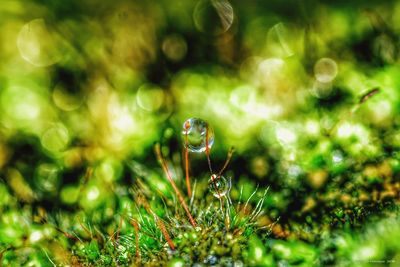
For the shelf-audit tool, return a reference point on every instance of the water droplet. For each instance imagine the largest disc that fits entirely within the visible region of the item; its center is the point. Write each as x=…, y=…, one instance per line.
x=325, y=70
x=218, y=185
x=213, y=16
x=197, y=135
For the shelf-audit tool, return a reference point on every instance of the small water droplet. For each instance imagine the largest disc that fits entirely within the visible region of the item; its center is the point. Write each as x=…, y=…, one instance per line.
x=197, y=135
x=218, y=185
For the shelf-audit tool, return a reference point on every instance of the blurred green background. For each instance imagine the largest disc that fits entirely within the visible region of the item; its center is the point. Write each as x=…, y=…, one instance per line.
x=87, y=87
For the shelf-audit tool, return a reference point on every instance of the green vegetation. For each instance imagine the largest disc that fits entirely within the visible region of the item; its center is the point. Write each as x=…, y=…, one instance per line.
x=100, y=166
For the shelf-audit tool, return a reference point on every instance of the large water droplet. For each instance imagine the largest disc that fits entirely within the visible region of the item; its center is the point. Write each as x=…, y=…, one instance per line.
x=197, y=135
x=218, y=185
x=213, y=16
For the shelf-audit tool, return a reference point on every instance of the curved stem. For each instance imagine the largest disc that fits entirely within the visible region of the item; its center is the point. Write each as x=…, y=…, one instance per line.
x=228, y=159
x=208, y=151
x=187, y=165
x=171, y=181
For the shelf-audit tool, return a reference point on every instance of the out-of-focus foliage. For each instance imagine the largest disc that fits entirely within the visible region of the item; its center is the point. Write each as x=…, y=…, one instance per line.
x=308, y=92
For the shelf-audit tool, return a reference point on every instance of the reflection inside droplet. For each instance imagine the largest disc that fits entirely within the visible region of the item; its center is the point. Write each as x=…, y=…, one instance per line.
x=218, y=185
x=213, y=16
x=197, y=134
